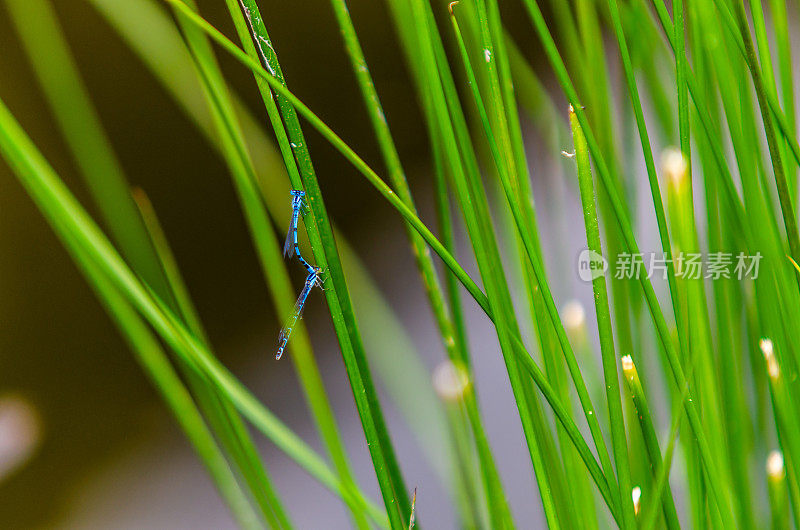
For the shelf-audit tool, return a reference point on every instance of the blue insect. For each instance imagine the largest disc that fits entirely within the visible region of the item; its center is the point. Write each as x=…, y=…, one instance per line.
x=291, y=247
x=314, y=278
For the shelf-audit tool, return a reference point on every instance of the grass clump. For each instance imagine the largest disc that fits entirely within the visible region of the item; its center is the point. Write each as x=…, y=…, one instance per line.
x=711, y=90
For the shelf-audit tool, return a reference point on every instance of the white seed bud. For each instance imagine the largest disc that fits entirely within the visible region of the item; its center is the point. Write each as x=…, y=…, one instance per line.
x=768, y=350
x=674, y=166
x=574, y=316
x=775, y=469
x=636, y=494
x=627, y=365
x=450, y=381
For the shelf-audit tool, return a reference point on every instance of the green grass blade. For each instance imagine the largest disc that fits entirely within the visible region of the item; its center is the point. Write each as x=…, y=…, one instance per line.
x=644, y=137
x=156, y=364
x=447, y=122
x=784, y=194
x=55, y=68
x=69, y=219
x=777, y=490
x=780, y=25
x=526, y=232
x=227, y=420
x=645, y=420
x=241, y=167
x=393, y=489
x=650, y=516
x=147, y=350
x=168, y=262
x=614, y=399
x=455, y=349
x=731, y=23
x=71, y=105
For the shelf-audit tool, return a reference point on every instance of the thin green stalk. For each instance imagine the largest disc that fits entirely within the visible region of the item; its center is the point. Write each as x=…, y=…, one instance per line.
x=697, y=334
x=710, y=59
x=680, y=81
x=548, y=475
x=701, y=106
x=454, y=298
x=732, y=25
x=785, y=419
x=282, y=292
x=397, y=176
x=609, y=357
x=59, y=78
x=447, y=121
x=777, y=491
x=455, y=349
x=593, y=85
x=650, y=516
x=768, y=76
x=445, y=223
x=472, y=507
x=647, y=151
x=784, y=194
x=475, y=214
x=645, y=421
x=784, y=48
x=508, y=154
x=548, y=472
x=394, y=492
x=168, y=263
x=522, y=223
x=634, y=384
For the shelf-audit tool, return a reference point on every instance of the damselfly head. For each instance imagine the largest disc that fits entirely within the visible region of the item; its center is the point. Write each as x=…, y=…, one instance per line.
x=319, y=275
x=298, y=193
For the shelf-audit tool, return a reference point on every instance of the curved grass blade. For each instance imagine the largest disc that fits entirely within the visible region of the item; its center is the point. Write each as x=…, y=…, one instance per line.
x=158, y=367
x=456, y=350
x=71, y=104
x=527, y=232
x=69, y=219
x=784, y=194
